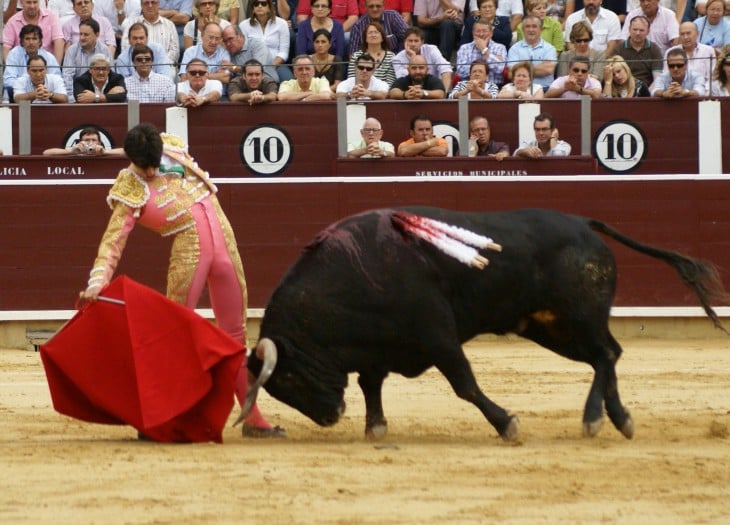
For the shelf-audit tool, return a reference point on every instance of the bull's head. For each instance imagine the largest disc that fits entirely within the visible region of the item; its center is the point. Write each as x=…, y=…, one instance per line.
x=314, y=388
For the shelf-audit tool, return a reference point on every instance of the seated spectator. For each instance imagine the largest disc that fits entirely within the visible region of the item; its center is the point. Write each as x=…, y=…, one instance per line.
x=99, y=83
x=198, y=89
x=391, y=21
x=721, y=83
x=605, y=24
x=442, y=22
x=305, y=87
x=485, y=146
x=38, y=86
x=522, y=86
x=17, y=61
x=487, y=10
x=418, y=83
x=422, y=142
x=414, y=44
x=144, y=84
x=210, y=51
x=253, y=86
x=77, y=60
x=534, y=49
x=560, y=10
x=680, y=81
x=33, y=13
x=326, y=65
x=482, y=47
x=618, y=82
x=207, y=13
x=552, y=30
x=701, y=57
x=547, y=141
x=581, y=35
x=161, y=30
x=478, y=86
x=89, y=144
x=263, y=24
x=576, y=83
x=346, y=13
x=714, y=27
x=403, y=7
x=375, y=44
x=105, y=32
x=364, y=85
x=371, y=147
x=138, y=36
x=320, y=19
x=663, y=28
x=241, y=50
x=643, y=57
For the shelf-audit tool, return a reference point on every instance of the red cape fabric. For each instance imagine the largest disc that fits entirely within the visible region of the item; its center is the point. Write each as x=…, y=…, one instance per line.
x=150, y=363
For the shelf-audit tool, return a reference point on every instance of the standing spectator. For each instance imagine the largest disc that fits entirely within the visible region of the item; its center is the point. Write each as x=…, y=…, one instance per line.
x=501, y=30
x=643, y=57
x=701, y=57
x=264, y=25
x=442, y=22
x=343, y=11
x=581, y=35
x=371, y=146
x=534, y=49
x=16, y=65
x=422, y=142
x=618, y=82
x=211, y=52
x=252, y=87
x=144, y=84
x=137, y=35
x=305, y=87
x=663, y=26
x=159, y=30
x=375, y=44
x=78, y=56
x=418, y=83
x=547, y=141
x=47, y=20
x=207, y=12
x=522, y=86
x=480, y=133
x=714, y=27
x=414, y=44
x=391, y=21
x=241, y=50
x=721, y=83
x=552, y=30
x=320, y=19
x=364, y=85
x=38, y=86
x=327, y=65
x=680, y=81
x=604, y=23
x=198, y=89
x=99, y=84
x=84, y=10
x=485, y=48
x=577, y=82
x=478, y=86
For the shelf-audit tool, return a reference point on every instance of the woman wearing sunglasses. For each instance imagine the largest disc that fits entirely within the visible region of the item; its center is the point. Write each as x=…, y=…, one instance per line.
x=264, y=25
x=581, y=35
x=321, y=19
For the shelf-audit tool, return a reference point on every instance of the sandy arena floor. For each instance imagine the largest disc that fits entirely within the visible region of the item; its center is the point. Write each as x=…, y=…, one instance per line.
x=440, y=463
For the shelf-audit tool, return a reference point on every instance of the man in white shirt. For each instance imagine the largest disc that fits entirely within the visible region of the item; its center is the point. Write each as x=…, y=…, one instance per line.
x=38, y=86
x=364, y=85
x=547, y=141
x=605, y=24
x=198, y=89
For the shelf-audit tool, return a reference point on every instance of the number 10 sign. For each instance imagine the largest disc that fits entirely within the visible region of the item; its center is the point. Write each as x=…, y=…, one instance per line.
x=620, y=146
x=266, y=150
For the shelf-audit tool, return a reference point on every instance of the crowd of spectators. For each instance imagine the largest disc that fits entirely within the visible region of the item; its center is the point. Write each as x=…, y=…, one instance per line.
x=96, y=51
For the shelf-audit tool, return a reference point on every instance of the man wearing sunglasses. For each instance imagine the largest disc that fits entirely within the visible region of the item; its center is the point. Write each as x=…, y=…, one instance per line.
x=701, y=56
x=144, y=84
x=577, y=82
x=138, y=36
x=364, y=85
x=604, y=22
x=198, y=89
x=679, y=81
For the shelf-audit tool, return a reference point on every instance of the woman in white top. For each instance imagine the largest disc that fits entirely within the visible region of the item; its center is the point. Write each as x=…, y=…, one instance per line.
x=522, y=85
x=721, y=82
x=207, y=12
x=264, y=25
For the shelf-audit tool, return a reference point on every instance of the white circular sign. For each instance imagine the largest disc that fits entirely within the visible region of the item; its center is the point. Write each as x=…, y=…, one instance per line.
x=449, y=132
x=266, y=150
x=620, y=146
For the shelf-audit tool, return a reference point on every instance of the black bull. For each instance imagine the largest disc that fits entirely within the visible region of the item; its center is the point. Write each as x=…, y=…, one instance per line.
x=369, y=296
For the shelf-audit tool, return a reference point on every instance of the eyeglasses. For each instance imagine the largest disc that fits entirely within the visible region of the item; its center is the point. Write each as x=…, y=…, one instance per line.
x=365, y=68
x=143, y=59
x=676, y=66
x=197, y=72
x=582, y=40
x=579, y=70
x=320, y=6
x=371, y=130
x=260, y=4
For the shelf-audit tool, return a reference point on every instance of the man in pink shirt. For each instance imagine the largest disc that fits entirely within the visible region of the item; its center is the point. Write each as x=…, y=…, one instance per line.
x=47, y=20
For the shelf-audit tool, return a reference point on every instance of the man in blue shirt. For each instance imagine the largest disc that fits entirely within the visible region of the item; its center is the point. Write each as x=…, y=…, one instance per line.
x=679, y=81
x=535, y=50
x=30, y=38
x=138, y=36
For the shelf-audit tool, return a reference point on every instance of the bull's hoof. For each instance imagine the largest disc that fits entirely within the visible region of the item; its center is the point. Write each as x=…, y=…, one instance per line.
x=512, y=431
x=376, y=432
x=262, y=433
x=592, y=428
x=627, y=429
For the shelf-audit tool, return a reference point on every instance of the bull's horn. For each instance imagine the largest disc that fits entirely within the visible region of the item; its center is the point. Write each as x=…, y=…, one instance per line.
x=266, y=351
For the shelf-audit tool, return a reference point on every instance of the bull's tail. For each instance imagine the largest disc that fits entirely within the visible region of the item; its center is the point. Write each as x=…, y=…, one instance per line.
x=701, y=276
